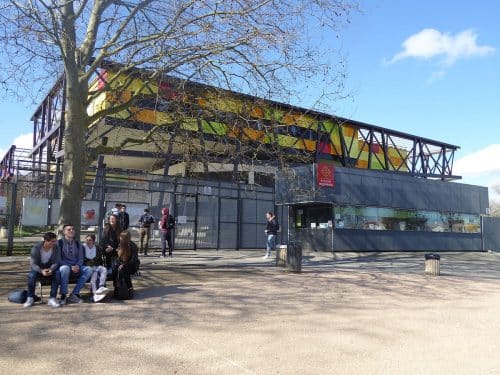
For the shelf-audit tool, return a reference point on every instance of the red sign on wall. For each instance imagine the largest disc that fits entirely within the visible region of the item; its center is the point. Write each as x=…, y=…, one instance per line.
x=325, y=174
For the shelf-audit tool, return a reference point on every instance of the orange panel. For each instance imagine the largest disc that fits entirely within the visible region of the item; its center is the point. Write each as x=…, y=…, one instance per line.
x=257, y=112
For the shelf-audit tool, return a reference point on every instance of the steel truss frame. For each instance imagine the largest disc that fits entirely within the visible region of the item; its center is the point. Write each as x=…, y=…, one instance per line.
x=422, y=157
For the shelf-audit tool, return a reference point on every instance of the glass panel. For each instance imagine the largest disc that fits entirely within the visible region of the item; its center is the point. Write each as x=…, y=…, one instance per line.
x=380, y=218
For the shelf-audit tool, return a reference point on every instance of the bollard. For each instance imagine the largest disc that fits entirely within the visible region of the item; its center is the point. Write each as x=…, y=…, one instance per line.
x=3, y=232
x=432, y=264
x=294, y=257
x=281, y=255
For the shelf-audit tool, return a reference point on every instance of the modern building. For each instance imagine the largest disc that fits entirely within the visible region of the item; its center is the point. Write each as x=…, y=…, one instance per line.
x=340, y=184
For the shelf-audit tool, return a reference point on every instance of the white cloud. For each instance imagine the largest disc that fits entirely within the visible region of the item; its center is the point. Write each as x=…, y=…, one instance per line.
x=481, y=168
x=431, y=43
x=478, y=163
x=24, y=141
x=21, y=141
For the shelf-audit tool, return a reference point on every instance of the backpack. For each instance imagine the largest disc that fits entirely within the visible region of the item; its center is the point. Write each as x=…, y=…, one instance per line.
x=122, y=291
x=18, y=296
x=171, y=222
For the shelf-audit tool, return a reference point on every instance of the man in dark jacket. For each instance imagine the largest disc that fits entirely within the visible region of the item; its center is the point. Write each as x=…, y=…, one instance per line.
x=271, y=230
x=123, y=217
x=72, y=257
x=44, y=260
x=146, y=221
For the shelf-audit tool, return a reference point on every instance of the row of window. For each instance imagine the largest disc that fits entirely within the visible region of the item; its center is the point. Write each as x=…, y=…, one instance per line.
x=375, y=218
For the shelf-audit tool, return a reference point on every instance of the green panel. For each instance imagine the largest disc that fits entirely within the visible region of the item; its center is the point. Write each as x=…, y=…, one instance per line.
x=212, y=127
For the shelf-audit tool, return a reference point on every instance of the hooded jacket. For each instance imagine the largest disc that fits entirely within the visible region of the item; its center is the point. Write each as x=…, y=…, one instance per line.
x=167, y=222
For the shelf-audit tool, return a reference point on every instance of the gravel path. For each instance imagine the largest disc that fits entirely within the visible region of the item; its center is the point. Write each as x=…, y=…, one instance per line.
x=232, y=312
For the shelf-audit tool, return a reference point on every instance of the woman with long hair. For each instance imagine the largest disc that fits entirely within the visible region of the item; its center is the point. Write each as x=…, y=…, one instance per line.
x=109, y=241
x=128, y=262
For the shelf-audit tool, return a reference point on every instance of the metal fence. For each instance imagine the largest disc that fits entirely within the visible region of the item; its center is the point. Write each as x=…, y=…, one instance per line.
x=209, y=214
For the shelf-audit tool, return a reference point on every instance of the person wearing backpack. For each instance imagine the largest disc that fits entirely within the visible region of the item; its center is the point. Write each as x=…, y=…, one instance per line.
x=167, y=224
x=72, y=257
x=44, y=260
x=271, y=231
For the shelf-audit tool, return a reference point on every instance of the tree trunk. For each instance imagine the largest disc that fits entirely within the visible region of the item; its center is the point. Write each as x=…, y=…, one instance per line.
x=75, y=159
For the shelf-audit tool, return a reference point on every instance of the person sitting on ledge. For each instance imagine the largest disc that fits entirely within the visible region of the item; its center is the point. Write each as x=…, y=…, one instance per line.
x=44, y=260
x=71, y=262
x=94, y=258
x=128, y=263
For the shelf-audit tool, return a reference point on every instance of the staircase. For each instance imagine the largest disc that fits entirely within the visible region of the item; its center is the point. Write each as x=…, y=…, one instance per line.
x=14, y=158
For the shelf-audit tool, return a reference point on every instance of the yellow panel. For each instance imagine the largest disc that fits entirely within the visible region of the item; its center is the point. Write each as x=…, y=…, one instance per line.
x=287, y=141
x=190, y=124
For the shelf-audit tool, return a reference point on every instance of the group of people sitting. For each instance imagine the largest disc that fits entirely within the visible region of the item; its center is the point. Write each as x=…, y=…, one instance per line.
x=59, y=259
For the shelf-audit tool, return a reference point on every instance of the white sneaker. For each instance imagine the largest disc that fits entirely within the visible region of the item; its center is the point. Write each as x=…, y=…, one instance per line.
x=102, y=290
x=53, y=302
x=29, y=302
x=99, y=297
x=265, y=256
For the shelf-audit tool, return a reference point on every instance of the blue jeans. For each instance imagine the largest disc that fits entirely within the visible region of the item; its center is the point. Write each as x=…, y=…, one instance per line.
x=63, y=274
x=271, y=243
x=33, y=277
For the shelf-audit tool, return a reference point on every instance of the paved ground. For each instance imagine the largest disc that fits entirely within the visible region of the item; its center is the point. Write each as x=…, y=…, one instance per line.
x=210, y=312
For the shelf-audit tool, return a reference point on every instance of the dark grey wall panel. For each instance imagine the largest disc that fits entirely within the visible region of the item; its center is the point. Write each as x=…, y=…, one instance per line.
x=228, y=210
x=249, y=210
x=386, y=189
x=250, y=236
x=227, y=236
x=368, y=240
x=491, y=231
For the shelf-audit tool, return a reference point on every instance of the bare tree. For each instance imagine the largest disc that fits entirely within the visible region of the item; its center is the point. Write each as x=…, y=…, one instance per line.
x=267, y=48
x=495, y=203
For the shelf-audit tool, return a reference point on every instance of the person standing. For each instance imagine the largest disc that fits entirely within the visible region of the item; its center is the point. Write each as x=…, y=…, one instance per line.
x=44, y=260
x=271, y=230
x=72, y=257
x=167, y=224
x=145, y=221
x=123, y=217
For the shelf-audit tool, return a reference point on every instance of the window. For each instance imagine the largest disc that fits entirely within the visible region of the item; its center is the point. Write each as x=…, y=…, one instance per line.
x=379, y=218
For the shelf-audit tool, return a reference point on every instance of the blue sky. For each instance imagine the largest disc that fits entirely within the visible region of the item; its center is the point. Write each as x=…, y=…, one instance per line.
x=429, y=68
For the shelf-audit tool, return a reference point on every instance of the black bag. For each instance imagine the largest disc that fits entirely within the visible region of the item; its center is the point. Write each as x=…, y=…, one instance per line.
x=18, y=296
x=171, y=222
x=122, y=291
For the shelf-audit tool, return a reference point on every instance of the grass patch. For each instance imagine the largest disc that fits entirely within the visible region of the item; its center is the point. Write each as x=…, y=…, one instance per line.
x=30, y=231
x=23, y=249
